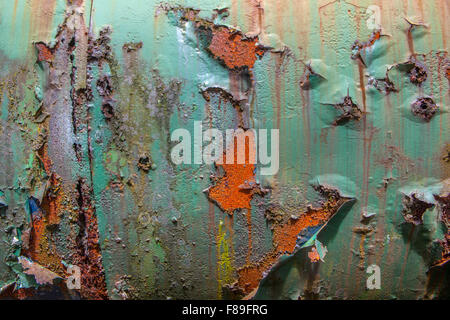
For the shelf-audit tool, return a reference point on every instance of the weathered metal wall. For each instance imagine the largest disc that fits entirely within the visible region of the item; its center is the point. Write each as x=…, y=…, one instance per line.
x=91, y=90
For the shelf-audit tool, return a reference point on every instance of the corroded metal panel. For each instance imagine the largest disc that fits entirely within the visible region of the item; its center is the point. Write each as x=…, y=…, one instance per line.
x=107, y=189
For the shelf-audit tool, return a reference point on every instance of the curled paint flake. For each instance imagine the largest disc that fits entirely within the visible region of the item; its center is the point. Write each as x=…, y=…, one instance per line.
x=414, y=208
x=424, y=108
x=42, y=275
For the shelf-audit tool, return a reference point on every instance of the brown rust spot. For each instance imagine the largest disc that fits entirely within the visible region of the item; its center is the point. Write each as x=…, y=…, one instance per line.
x=349, y=111
x=233, y=49
x=99, y=49
x=446, y=156
x=145, y=163
x=417, y=74
x=444, y=208
x=445, y=243
x=358, y=45
x=108, y=108
x=229, y=45
x=362, y=230
x=414, y=69
x=285, y=237
x=414, y=208
x=425, y=108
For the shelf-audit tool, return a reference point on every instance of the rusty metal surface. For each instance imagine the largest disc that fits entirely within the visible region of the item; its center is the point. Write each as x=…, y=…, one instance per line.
x=92, y=91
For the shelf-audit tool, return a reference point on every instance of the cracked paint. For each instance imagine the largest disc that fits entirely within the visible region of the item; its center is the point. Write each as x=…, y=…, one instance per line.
x=90, y=92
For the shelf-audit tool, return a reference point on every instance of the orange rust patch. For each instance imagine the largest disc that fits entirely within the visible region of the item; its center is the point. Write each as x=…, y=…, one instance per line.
x=444, y=208
x=251, y=274
x=284, y=241
x=233, y=49
x=313, y=255
x=373, y=37
x=285, y=236
x=42, y=154
x=236, y=188
x=78, y=3
x=44, y=53
x=359, y=46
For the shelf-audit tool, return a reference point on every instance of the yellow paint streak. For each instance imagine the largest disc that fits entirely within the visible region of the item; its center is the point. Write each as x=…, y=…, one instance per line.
x=224, y=261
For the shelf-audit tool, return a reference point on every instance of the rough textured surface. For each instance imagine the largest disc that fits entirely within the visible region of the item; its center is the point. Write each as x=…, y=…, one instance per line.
x=91, y=90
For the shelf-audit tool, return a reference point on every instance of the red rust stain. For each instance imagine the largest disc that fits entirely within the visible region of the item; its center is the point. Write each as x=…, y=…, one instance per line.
x=313, y=255
x=77, y=3
x=445, y=251
x=235, y=189
x=233, y=49
x=444, y=208
x=409, y=37
x=14, y=12
x=53, y=200
x=44, y=52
